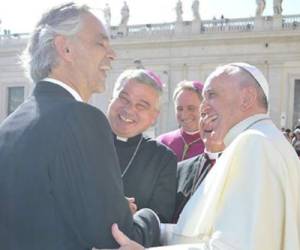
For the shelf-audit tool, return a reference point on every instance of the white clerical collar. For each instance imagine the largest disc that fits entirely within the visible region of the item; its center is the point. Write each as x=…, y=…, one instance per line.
x=72, y=91
x=212, y=155
x=191, y=133
x=242, y=126
x=120, y=138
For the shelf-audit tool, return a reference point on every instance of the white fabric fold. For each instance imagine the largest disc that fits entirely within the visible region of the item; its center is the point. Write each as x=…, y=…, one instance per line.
x=250, y=199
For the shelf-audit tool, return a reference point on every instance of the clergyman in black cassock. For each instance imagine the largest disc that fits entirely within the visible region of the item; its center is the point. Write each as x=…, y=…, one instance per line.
x=148, y=167
x=151, y=177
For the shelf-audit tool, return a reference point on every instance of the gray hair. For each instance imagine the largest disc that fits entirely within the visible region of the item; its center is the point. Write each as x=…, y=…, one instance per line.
x=40, y=56
x=187, y=85
x=142, y=76
x=245, y=79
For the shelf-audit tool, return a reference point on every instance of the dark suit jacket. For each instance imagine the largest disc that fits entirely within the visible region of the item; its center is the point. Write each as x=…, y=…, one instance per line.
x=60, y=183
x=190, y=174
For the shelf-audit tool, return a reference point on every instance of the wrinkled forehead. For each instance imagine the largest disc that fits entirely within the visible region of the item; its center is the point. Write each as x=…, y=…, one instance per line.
x=134, y=86
x=211, y=80
x=187, y=96
x=220, y=77
x=140, y=92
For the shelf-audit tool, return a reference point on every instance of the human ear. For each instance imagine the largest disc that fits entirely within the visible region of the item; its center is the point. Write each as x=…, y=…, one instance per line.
x=62, y=47
x=248, y=97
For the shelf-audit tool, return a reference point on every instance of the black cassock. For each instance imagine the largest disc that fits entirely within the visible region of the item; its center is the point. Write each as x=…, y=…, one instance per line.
x=151, y=176
x=60, y=180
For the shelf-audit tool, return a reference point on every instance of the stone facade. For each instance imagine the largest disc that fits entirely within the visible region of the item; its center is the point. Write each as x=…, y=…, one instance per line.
x=191, y=50
x=11, y=72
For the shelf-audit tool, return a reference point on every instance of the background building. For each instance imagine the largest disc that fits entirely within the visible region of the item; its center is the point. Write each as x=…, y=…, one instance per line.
x=186, y=50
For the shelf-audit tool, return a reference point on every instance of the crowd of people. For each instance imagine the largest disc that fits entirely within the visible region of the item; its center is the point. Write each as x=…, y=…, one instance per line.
x=293, y=136
x=74, y=178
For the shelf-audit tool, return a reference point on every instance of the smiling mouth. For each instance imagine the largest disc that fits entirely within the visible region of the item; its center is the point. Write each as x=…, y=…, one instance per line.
x=126, y=119
x=209, y=127
x=208, y=131
x=105, y=67
x=187, y=122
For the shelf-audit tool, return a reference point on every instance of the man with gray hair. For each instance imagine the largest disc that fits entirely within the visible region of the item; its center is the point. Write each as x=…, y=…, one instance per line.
x=148, y=167
x=60, y=182
x=250, y=199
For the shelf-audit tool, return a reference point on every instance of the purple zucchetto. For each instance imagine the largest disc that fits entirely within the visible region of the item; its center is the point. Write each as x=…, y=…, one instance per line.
x=195, y=86
x=154, y=77
x=198, y=86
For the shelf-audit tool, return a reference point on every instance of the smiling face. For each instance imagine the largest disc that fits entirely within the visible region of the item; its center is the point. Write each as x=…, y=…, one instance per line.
x=134, y=109
x=187, y=104
x=221, y=105
x=91, y=57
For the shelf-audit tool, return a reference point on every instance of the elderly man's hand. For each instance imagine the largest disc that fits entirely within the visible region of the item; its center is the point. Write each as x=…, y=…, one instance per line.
x=124, y=242
x=132, y=206
x=211, y=133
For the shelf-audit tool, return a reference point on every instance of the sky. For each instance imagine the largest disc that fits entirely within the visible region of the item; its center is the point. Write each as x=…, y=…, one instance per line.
x=20, y=16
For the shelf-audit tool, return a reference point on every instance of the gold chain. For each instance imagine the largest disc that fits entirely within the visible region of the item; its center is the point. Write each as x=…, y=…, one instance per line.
x=186, y=146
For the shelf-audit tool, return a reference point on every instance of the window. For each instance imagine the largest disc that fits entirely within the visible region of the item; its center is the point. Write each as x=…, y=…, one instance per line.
x=15, y=98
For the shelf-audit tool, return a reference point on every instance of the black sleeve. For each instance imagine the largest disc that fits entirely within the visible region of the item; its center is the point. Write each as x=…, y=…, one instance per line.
x=180, y=197
x=87, y=185
x=164, y=193
x=147, y=227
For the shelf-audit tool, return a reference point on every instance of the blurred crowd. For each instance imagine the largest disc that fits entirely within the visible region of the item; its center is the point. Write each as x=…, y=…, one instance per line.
x=293, y=136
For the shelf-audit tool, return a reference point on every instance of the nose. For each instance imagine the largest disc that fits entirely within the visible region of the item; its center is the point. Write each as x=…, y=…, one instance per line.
x=110, y=53
x=184, y=113
x=128, y=107
x=128, y=111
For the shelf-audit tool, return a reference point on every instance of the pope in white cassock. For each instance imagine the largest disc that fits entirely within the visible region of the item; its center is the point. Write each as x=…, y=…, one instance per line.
x=250, y=200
